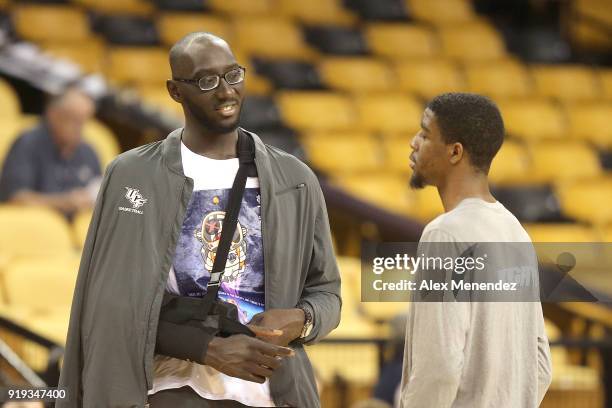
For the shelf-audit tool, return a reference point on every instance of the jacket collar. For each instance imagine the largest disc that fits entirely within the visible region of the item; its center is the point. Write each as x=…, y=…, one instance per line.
x=171, y=152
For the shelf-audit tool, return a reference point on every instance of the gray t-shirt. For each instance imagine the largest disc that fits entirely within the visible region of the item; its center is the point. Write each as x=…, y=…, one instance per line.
x=33, y=163
x=475, y=354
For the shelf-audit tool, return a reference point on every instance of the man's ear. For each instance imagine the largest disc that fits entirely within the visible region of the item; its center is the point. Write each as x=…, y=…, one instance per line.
x=455, y=152
x=174, y=91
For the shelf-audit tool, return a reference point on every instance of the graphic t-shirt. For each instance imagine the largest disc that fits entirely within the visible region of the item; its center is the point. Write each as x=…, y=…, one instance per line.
x=241, y=284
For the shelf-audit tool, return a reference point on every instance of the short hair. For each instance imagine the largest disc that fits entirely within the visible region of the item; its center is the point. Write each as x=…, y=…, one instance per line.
x=58, y=98
x=472, y=120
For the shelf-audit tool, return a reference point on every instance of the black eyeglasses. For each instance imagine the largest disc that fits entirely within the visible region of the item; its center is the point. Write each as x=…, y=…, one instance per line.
x=210, y=82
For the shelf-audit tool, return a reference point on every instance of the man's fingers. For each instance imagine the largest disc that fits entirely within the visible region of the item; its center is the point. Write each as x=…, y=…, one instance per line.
x=258, y=370
x=248, y=376
x=268, y=361
x=273, y=350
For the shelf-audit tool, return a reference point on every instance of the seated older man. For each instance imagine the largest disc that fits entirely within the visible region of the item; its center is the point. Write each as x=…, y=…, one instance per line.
x=50, y=164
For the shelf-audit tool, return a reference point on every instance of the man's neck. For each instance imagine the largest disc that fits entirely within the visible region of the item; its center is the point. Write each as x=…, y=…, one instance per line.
x=218, y=146
x=459, y=186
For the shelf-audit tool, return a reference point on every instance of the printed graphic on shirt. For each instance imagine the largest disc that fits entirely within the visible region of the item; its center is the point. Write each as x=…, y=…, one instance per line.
x=243, y=281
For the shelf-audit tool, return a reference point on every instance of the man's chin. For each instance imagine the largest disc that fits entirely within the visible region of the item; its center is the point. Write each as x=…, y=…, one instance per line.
x=417, y=182
x=221, y=127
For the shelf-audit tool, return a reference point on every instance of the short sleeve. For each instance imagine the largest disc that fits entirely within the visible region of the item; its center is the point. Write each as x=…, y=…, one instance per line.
x=18, y=172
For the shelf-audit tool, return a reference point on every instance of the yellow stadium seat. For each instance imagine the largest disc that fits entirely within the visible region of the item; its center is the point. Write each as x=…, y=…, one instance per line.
x=45, y=23
x=254, y=83
x=350, y=271
x=511, y=165
x=383, y=311
x=607, y=234
x=158, y=98
x=605, y=80
x=11, y=108
x=359, y=152
x=396, y=41
x=136, y=65
x=566, y=82
x=389, y=112
x=352, y=324
x=533, y=119
x=102, y=140
x=429, y=78
x=41, y=284
x=389, y=192
x=90, y=56
x=357, y=74
x=53, y=326
x=397, y=154
x=584, y=33
x=559, y=354
x=502, y=79
x=242, y=7
x=441, y=11
x=355, y=363
x=584, y=200
x=33, y=231
x=472, y=42
x=174, y=26
x=561, y=161
x=80, y=225
x=134, y=7
x=270, y=38
x=591, y=122
x=317, y=110
x=317, y=12
x=561, y=233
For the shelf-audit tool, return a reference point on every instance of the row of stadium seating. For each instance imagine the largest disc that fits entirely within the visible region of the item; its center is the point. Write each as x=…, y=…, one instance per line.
x=432, y=53
x=400, y=113
x=319, y=11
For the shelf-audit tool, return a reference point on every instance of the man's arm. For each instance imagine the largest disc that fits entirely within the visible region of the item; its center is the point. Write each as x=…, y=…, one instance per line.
x=68, y=202
x=70, y=376
x=436, y=358
x=322, y=287
x=435, y=337
x=238, y=356
x=321, y=293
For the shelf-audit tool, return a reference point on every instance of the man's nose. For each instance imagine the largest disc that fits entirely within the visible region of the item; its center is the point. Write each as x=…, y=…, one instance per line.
x=225, y=89
x=413, y=143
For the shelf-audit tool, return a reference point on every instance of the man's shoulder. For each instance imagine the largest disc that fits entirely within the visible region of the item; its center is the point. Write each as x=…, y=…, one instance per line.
x=289, y=164
x=140, y=156
x=31, y=138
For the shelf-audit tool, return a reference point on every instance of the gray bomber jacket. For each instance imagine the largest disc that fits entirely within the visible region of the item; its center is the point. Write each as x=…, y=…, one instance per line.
x=127, y=257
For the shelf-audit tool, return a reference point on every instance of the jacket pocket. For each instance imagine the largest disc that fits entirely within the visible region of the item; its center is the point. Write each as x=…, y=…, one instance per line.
x=297, y=187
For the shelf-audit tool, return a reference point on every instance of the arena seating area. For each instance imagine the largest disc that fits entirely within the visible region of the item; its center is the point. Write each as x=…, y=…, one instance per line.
x=347, y=81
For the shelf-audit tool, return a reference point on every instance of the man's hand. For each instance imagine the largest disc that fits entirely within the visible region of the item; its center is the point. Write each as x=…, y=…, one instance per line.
x=245, y=357
x=289, y=321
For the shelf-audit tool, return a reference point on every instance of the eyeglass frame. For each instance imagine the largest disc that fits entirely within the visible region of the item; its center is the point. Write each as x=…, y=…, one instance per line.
x=196, y=82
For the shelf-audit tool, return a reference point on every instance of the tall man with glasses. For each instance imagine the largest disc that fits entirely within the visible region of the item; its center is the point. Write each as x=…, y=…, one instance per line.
x=156, y=228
